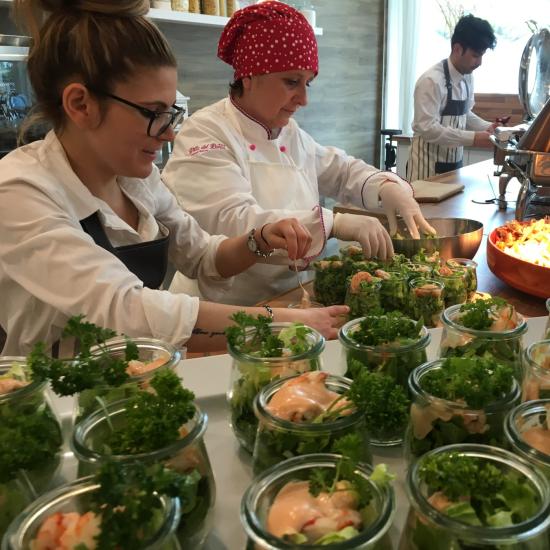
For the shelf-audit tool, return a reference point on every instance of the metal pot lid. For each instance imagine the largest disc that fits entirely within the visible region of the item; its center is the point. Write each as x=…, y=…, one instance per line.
x=534, y=73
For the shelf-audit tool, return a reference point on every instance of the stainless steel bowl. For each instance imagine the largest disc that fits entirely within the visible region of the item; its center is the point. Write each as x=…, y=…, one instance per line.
x=456, y=238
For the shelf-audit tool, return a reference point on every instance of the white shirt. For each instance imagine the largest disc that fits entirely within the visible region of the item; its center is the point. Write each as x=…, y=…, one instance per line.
x=50, y=269
x=430, y=98
x=232, y=173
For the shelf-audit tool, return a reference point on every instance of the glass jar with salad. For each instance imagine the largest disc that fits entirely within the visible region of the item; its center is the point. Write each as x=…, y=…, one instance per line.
x=157, y=426
x=424, y=256
x=144, y=357
x=263, y=351
x=536, y=384
x=318, y=501
x=459, y=400
x=476, y=496
x=119, y=512
x=386, y=347
x=489, y=327
x=527, y=428
x=454, y=284
x=470, y=272
x=426, y=300
x=307, y=413
x=363, y=294
x=329, y=284
x=30, y=439
x=415, y=270
x=394, y=290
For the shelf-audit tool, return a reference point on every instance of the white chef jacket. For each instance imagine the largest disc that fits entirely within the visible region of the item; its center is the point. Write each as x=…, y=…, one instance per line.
x=232, y=174
x=50, y=269
x=430, y=97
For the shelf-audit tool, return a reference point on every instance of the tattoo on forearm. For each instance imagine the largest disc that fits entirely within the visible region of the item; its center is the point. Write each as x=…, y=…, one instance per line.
x=198, y=330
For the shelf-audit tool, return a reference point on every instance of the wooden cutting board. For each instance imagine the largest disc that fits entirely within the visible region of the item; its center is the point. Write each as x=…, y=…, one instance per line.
x=432, y=191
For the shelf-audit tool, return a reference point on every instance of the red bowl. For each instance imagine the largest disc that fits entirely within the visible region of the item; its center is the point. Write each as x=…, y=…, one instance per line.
x=525, y=276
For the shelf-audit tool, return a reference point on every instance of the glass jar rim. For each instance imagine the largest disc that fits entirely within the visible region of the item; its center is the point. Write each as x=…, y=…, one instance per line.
x=448, y=321
x=314, y=351
x=415, y=387
x=513, y=435
x=413, y=283
x=548, y=305
x=530, y=360
x=344, y=337
x=492, y=535
x=119, y=344
x=34, y=386
x=262, y=482
x=466, y=262
x=81, y=431
x=22, y=522
x=264, y=416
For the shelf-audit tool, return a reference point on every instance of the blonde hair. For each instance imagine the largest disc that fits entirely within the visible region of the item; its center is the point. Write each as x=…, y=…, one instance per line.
x=98, y=42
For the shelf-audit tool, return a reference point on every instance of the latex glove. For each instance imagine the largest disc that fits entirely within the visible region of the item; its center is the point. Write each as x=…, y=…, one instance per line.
x=399, y=198
x=369, y=232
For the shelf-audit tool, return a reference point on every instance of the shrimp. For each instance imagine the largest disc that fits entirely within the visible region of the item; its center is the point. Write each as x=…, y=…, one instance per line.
x=137, y=368
x=428, y=290
x=357, y=279
x=382, y=274
x=67, y=532
x=504, y=318
x=445, y=271
x=8, y=385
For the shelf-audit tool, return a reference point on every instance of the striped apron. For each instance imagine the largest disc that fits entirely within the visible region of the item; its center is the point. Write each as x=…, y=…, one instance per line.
x=428, y=159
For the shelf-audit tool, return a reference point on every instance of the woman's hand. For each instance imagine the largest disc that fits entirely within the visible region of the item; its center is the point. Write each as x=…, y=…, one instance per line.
x=398, y=197
x=326, y=320
x=288, y=234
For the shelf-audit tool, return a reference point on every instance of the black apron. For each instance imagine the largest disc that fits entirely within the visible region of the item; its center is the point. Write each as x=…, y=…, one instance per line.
x=148, y=261
x=427, y=159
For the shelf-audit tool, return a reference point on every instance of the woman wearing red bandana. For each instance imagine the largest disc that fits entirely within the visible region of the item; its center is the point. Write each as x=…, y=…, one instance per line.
x=244, y=162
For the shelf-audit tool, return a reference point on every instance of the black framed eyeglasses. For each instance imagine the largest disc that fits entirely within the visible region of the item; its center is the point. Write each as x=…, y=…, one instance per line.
x=159, y=122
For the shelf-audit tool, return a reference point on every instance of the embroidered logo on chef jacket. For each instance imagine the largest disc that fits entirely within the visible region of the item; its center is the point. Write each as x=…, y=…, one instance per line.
x=205, y=148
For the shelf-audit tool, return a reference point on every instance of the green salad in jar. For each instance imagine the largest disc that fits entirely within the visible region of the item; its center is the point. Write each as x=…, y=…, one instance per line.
x=329, y=284
x=263, y=351
x=308, y=413
x=459, y=400
x=454, y=284
x=363, y=294
x=426, y=301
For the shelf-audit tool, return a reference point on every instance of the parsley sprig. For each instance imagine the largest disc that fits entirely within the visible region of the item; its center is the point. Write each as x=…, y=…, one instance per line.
x=85, y=370
x=153, y=420
x=478, y=381
x=128, y=500
x=376, y=330
x=479, y=315
x=260, y=341
x=482, y=493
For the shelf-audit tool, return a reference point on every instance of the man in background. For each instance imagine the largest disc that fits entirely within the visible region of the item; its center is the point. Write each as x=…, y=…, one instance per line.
x=443, y=100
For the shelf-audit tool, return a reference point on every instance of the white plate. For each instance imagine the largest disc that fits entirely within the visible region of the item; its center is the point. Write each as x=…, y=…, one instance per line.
x=208, y=377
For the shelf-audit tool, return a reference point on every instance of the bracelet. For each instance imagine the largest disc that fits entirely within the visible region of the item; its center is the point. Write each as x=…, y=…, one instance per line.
x=269, y=311
x=262, y=234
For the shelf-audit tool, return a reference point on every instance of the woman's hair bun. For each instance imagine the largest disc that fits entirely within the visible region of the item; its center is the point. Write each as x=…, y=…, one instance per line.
x=121, y=8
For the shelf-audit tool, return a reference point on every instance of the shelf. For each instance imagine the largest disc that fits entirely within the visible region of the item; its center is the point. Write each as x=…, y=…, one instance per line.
x=182, y=17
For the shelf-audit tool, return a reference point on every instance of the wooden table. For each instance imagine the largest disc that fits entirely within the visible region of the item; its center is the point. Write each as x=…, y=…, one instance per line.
x=475, y=178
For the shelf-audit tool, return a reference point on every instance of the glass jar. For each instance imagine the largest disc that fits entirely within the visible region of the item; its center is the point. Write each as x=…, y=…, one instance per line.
x=249, y=374
x=394, y=292
x=279, y=439
x=536, y=384
x=427, y=528
x=184, y=456
x=527, y=429
x=329, y=284
x=435, y=422
x=150, y=351
x=454, y=285
x=363, y=298
x=299, y=305
x=426, y=300
x=505, y=346
x=26, y=411
x=74, y=497
x=416, y=270
x=259, y=497
x=470, y=271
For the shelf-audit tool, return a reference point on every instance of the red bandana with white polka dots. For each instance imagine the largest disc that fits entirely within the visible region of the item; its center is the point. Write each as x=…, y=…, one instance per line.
x=269, y=37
